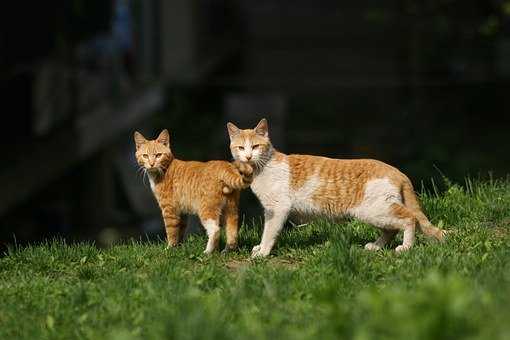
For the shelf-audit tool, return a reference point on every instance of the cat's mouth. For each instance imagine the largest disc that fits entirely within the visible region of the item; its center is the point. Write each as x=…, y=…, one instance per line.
x=154, y=171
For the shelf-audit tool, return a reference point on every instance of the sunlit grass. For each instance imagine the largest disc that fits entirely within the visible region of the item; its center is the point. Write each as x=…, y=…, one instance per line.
x=320, y=283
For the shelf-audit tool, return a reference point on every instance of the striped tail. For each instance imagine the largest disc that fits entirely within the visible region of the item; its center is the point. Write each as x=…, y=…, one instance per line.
x=411, y=202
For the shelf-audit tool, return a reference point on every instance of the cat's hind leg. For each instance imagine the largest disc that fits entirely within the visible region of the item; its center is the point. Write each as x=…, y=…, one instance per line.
x=386, y=236
x=210, y=220
x=391, y=218
x=407, y=221
x=182, y=230
x=231, y=217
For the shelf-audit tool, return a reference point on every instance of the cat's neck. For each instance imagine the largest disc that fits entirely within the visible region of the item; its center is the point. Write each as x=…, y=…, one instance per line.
x=270, y=156
x=156, y=178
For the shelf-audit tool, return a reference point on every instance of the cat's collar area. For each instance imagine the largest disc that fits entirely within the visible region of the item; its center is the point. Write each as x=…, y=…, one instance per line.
x=156, y=174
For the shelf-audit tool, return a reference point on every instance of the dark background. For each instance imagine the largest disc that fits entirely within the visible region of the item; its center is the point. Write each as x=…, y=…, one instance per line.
x=422, y=85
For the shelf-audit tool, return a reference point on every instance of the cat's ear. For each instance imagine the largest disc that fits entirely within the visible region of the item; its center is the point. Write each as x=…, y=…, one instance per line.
x=164, y=138
x=232, y=130
x=139, y=139
x=261, y=128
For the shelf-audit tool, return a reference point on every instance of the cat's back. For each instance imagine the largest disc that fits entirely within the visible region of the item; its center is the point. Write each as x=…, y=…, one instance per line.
x=347, y=171
x=199, y=169
x=205, y=177
x=190, y=182
x=185, y=170
x=335, y=185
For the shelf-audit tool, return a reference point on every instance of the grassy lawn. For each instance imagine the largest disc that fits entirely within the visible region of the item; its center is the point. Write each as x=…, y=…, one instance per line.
x=320, y=283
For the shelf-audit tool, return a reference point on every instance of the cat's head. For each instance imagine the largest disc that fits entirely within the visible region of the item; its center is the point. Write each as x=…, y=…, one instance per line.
x=153, y=155
x=250, y=145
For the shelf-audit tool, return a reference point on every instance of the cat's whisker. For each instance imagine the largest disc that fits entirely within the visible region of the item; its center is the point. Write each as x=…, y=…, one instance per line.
x=261, y=162
x=144, y=176
x=140, y=171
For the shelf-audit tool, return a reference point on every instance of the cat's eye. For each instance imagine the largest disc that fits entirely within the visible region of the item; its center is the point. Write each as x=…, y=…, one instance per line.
x=255, y=146
x=158, y=155
x=145, y=156
x=241, y=148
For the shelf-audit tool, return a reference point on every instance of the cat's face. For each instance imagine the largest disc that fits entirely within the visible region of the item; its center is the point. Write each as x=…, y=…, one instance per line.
x=250, y=145
x=153, y=155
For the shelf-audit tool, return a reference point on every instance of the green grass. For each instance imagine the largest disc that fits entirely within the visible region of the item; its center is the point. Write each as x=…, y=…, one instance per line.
x=320, y=283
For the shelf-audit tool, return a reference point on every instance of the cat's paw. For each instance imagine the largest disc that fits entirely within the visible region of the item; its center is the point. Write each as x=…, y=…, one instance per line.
x=257, y=251
x=372, y=246
x=208, y=251
x=245, y=170
x=228, y=249
x=401, y=248
x=170, y=246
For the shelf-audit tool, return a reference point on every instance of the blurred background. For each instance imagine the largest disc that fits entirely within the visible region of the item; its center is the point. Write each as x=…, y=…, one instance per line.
x=422, y=85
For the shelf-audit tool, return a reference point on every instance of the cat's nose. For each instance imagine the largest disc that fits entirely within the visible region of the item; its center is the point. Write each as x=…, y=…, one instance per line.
x=248, y=157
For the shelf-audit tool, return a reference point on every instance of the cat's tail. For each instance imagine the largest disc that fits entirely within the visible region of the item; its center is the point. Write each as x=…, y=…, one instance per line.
x=236, y=177
x=411, y=202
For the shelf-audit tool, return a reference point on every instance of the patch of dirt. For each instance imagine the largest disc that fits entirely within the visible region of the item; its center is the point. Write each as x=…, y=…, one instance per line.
x=286, y=263
x=236, y=265
x=501, y=231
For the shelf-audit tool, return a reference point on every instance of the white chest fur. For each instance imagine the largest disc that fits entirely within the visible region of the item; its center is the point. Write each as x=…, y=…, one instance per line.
x=152, y=184
x=271, y=185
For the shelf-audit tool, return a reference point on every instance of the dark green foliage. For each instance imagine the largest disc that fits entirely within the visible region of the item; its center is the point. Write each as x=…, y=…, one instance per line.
x=320, y=283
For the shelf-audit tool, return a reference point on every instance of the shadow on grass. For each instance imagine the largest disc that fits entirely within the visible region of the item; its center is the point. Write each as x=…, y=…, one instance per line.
x=310, y=235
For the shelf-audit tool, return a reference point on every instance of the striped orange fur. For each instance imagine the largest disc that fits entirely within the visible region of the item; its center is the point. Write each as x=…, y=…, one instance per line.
x=367, y=189
x=209, y=189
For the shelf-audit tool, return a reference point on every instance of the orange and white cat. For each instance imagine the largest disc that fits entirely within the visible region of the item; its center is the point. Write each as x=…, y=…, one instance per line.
x=209, y=189
x=366, y=189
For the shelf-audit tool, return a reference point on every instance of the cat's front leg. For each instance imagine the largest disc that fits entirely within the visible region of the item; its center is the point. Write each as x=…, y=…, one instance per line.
x=274, y=220
x=173, y=229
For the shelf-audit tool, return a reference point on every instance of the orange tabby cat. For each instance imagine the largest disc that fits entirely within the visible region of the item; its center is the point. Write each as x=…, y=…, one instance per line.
x=369, y=190
x=209, y=189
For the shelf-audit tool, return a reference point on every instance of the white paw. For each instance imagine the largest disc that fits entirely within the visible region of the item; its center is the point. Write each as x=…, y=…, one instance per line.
x=402, y=248
x=208, y=251
x=257, y=252
x=372, y=246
